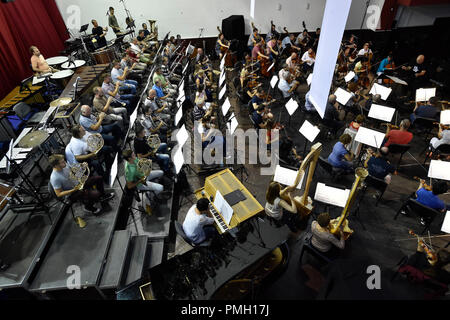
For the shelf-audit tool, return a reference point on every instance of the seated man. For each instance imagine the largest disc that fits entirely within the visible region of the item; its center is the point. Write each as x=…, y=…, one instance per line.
x=259, y=117
x=378, y=165
x=111, y=90
x=331, y=117
x=340, y=157
x=309, y=107
x=443, y=137
x=159, y=109
x=64, y=186
x=153, y=125
x=137, y=49
x=119, y=75
x=143, y=150
x=401, y=136
x=38, y=62
x=425, y=110
x=430, y=198
x=131, y=60
x=285, y=87
x=160, y=93
x=113, y=114
x=93, y=124
x=322, y=239
x=135, y=71
x=172, y=75
x=165, y=85
x=77, y=151
x=198, y=224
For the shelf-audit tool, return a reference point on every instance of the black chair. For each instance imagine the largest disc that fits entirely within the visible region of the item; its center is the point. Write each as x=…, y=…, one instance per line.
x=422, y=211
x=377, y=184
x=307, y=245
x=399, y=149
x=332, y=171
x=180, y=231
x=441, y=151
x=66, y=202
x=424, y=126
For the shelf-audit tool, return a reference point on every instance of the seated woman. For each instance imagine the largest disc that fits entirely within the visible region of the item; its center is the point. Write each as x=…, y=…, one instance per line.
x=323, y=240
x=340, y=157
x=272, y=128
x=358, y=122
x=283, y=212
x=443, y=137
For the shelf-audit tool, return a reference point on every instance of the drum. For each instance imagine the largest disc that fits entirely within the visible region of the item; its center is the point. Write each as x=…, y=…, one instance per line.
x=105, y=55
x=74, y=65
x=54, y=61
x=62, y=77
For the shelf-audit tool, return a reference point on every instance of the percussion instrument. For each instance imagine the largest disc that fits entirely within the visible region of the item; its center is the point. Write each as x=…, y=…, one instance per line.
x=53, y=61
x=88, y=75
x=105, y=55
x=33, y=139
x=74, y=65
x=61, y=102
x=29, y=96
x=62, y=77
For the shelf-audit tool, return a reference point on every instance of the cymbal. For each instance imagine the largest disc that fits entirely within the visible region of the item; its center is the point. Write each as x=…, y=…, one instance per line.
x=33, y=139
x=61, y=102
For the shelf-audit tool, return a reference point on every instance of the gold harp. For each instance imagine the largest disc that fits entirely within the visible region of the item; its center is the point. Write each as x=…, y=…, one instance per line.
x=335, y=224
x=304, y=203
x=154, y=142
x=95, y=142
x=80, y=173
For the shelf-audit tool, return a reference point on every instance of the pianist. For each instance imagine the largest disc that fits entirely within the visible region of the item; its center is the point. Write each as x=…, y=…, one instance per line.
x=198, y=222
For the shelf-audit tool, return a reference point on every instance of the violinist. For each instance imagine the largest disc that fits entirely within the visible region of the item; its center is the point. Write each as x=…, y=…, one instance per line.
x=443, y=137
x=221, y=45
x=384, y=65
x=286, y=84
x=429, y=110
x=365, y=51
x=430, y=198
x=308, y=58
x=400, y=136
x=378, y=165
x=258, y=99
x=292, y=61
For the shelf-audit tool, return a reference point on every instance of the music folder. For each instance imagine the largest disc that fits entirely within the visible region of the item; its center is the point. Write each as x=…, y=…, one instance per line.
x=330, y=195
x=291, y=106
x=445, y=117
x=286, y=176
x=342, y=96
x=370, y=137
x=178, y=159
x=424, y=94
x=381, y=112
x=439, y=170
x=309, y=131
x=273, y=81
x=309, y=79
x=446, y=224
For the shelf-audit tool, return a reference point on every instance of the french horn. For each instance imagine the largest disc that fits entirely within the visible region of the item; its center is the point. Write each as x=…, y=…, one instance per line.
x=79, y=173
x=154, y=142
x=144, y=166
x=95, y=142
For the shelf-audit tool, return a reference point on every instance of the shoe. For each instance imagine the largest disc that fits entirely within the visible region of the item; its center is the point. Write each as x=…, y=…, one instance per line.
x=422, y=221
x=403, y=212
x=94, y=211
x=107, y=196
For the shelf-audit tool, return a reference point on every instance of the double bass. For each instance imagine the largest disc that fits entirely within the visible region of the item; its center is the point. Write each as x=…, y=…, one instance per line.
x=230, y=57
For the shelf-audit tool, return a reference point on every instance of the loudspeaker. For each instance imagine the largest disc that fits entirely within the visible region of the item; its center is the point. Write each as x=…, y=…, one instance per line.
x=233, y=27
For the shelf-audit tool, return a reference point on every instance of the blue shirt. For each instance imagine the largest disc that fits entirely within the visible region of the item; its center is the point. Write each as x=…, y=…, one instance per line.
x=426, y=111
x=429, y=199
x=308, y=105
x=87, y=122
x=382, y=65
x=379, y=167
x=159, y=91
x=336, y=157
x=286, y=41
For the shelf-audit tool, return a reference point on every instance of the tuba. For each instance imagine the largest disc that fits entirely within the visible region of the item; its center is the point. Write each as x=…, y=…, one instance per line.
x=154, y=142
x=144, y=166
x=95, y=142
x=335, y=224
x=79, y=173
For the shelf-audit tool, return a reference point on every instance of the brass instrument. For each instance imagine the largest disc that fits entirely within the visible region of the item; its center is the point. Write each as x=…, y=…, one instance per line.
x=304, y=203
x=80, y=173
x=95, y=142
x=144, y=166
x=154, y=142
x=335, y=224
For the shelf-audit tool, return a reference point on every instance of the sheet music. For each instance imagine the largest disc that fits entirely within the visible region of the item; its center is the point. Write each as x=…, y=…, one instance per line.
x=309, y=79
x=271, y=66
x=445, y=117
x=222, y=92
x=222, y=63
x=424, y=94
x=3, y=162
x=342, y=96
x=381, y=90
x=24, y=132
x=381, y=112
x=223, y=207
x=225, y=107
x=439, y=170
x=309, y=131
x=446, y=224
x=370, y=137
x=133, y=117
x=178, y=115
x=47, y=114
x=291, y=106
x=114, y=170
x=233, y=125
x=397, y=80
x=178, y=159
x=349, y=76
x=182, y=135
x=222, y=79
x=287, y=176
x=273, y=81
x=330, y=195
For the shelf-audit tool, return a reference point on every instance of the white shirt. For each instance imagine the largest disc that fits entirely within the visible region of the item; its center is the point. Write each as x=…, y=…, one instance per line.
x=116, y=73
x=193, y=225
x=250, y=40
x=76, y=147
x=274, y=210
x=436, y=142
x=135, y=48
x=363, y=52
x=284, y=87
x=308, y=59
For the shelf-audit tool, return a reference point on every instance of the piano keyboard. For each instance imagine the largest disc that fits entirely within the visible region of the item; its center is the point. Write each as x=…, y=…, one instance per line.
x=223, y=227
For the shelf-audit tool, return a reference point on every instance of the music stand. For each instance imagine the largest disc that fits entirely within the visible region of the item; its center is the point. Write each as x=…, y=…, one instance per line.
x=84, y=28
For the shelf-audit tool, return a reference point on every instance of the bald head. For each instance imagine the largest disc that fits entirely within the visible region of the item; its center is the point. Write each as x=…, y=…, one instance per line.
x=332, y=99
x=85, y=110
x=420, y=59
x=152, y=93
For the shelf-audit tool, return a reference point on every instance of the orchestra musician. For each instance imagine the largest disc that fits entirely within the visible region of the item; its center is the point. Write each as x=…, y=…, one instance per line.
x=273, y=33
x=424, y=110
x=222, y=45
x=430, y=198
x=286, y=84
x=340, y=157
x=112, y=21
x=137, y=49
x=398, y=136
x=292, y=62
x=389, y=60
x=99, y=34
x=145, y=29
x=303, y=39
x=443, y=137
x=308, y=58
x=38, y=63
x=323, y=240
x=258, y=99
x=115, y=114
x=271, y=48
x=365, y=51
x=288, y=43
x=253, y=39
x=378, y=165
x=198, y=223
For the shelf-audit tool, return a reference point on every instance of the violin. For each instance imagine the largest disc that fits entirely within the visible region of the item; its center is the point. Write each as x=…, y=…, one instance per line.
x=431, y=255
x=442, y=126
x=425, y=185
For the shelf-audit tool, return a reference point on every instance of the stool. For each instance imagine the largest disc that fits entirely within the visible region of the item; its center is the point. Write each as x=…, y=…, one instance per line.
x=307, y=245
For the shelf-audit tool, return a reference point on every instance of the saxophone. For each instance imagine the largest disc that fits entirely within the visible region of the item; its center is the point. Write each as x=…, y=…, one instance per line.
x=335, y=224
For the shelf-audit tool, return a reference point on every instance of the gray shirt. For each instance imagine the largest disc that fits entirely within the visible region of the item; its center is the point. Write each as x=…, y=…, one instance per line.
x=61, y=180
x=323, y=241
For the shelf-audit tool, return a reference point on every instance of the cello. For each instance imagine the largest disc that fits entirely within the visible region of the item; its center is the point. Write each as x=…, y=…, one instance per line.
x=230, y=57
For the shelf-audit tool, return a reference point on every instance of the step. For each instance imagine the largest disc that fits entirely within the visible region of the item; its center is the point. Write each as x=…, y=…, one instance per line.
x=136, y=259
x=156, y=252
x=115, y=262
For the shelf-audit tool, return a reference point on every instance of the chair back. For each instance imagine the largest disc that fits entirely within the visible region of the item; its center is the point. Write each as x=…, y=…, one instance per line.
x=376, y=183
x=326, y=165
x=426, y=123
x=21, y=109
x=51, y=191
x=180, y=231
x=421, y=210
x=443, y=149
x=399, y=148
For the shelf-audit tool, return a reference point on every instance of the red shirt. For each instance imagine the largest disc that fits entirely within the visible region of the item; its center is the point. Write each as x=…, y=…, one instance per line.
x=354, y=125
x=398, y=137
